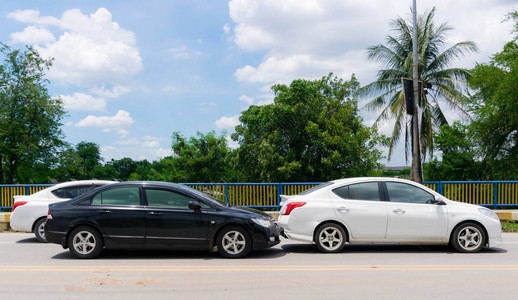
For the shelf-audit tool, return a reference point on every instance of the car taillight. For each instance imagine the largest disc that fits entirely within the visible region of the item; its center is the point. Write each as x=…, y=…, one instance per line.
x=19, y=203
x=49, y=216
x=291, y=206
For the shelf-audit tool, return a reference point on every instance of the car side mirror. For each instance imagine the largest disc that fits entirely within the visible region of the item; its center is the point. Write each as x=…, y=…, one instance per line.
x=195, y=205
x=438, y=201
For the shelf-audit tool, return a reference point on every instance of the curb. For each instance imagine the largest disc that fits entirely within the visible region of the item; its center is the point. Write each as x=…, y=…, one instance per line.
x=506, y=215
x=4, y=221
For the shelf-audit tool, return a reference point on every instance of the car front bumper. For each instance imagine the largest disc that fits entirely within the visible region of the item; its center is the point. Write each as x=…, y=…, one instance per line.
x=266, y=237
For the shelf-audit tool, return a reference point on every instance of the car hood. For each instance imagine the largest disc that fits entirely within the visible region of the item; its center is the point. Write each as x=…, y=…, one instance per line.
x=249, y=211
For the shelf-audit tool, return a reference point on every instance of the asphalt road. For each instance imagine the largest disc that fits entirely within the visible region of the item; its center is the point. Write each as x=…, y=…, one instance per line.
x=291, y=270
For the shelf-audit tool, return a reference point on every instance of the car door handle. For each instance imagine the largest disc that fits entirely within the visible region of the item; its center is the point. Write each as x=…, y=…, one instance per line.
x=154, y=213
x=104, y=211
x=399, y=211
x=343, y=209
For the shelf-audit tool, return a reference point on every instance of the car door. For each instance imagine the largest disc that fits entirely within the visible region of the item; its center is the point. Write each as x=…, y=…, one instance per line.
x=171, y=223
x=361, y=208
x=120, y=215
x=413, y=216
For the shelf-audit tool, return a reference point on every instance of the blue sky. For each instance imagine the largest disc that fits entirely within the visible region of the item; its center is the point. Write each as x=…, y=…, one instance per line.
x=132, y=72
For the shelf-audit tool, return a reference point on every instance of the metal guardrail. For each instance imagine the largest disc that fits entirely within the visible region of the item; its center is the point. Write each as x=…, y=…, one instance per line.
x=493, y=194
x=259, y=195
x=8, y=191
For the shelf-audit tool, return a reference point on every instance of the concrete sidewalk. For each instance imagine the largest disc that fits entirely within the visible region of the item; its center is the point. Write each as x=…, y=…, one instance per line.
x=504, y=215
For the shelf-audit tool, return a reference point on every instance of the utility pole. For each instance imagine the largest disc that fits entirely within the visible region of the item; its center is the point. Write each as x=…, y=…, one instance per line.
x=416, y=173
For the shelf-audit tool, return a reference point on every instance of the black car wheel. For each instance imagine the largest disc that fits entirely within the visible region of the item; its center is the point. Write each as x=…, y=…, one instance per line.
x=85, y=242
x=330, y=238
x=39, y=230
x=468, y=238
x=234, y=242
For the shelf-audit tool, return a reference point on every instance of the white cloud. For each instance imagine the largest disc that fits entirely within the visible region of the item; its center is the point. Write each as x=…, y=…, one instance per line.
x=152, y=141
x=184, y=52
x=246, y=99
x=115, y=92
x=91, y=50
x=231, y=143
x=309, y=38
x=81, y=101
x=33, y=35
x=150, y=144
x=106, y=149
x=121, y=119
x=226, y=28
x=130, y=141
x=161, y=153
x=171, y=89
x=32, y=16
x=265, y=99
x=227, y=122
x=123, y=133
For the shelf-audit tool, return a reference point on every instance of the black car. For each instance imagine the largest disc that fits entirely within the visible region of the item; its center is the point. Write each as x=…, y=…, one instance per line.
x=156, y=215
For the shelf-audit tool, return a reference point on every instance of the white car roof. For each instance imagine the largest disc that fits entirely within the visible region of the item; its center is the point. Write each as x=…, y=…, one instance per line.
x=70, y=184
x=80, y=182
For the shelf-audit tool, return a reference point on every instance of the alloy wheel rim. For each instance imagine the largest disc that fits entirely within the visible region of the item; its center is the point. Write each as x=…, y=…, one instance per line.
x=84, y=242
x=331, y=238
x=469, y=238
x=234, y=242
x=41, y=230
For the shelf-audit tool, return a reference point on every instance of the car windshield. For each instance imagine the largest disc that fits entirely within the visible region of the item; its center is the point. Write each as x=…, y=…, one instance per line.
x=206, y=196
x=316, y=188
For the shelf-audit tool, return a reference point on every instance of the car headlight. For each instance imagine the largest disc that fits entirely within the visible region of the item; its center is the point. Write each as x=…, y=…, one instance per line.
x=262, y=222
x=488, y=213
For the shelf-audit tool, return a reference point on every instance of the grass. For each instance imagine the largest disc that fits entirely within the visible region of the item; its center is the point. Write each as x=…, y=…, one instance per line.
x=509, y=226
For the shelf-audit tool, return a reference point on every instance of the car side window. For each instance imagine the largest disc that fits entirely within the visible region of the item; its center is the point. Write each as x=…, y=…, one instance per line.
x=402, y=192
x=71, y=192
x=118, y=196
x=367, y=191
x=171, y=199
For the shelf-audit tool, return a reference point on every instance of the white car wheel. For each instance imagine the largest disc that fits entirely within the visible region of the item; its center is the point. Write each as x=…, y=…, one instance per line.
x=39, y=230
x=330, y=238
x=469, y=238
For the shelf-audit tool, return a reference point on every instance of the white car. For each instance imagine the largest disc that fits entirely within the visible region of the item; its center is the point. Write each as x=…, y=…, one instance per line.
x=385, y=211
x=30, y=212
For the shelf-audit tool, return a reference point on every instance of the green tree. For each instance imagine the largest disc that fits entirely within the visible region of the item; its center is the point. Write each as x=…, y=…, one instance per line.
x=460, y=155
x=30, y=128
x=68, y=165
x=203, y=158
x=90, y=155
x=440, y=83
x=124, y=167
x=495, y=109
x=312, y=132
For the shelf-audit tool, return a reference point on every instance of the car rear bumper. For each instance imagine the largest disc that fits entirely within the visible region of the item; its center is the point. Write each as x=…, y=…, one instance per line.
x=56, y=237
x=20, y=221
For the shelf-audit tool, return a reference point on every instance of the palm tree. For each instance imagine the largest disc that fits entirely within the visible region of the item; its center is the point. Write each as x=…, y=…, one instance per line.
x=440, y=83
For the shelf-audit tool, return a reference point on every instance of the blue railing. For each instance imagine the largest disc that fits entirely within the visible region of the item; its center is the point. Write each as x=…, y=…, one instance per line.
x=493, y=194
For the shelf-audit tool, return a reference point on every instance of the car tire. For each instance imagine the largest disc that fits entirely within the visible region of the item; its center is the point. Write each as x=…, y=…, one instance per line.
x=330, y=238
x=39, y=230
x=85, y=242
x=468, y=238
x=233, y=242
